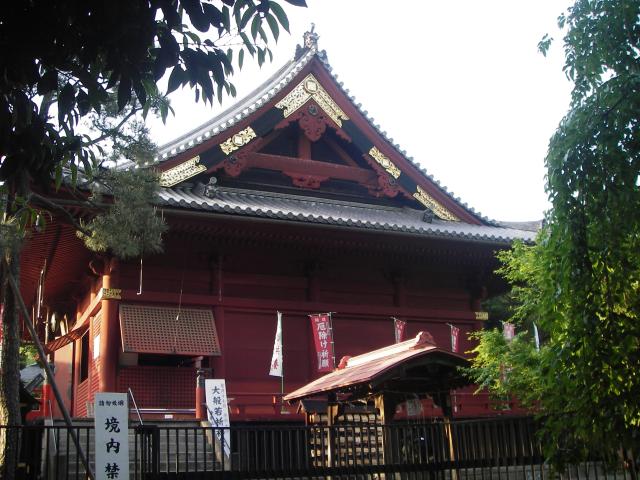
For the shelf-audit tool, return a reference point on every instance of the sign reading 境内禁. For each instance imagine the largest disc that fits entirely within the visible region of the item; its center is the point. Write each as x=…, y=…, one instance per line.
x=111, y=416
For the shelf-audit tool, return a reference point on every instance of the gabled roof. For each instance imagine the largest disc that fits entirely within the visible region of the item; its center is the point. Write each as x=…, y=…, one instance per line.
x=307, y=80
x=308, y=75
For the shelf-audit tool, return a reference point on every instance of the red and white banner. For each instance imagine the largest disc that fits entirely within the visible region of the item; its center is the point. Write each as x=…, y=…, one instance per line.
x=455, y=333
x=323, y=339
x=509, y=331
x=399, y=327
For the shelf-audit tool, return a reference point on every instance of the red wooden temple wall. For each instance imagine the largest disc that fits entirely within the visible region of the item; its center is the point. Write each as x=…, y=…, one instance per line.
x=244, y=286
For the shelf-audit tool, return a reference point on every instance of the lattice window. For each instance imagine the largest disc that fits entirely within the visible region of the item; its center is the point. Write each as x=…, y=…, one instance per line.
x=159, y=329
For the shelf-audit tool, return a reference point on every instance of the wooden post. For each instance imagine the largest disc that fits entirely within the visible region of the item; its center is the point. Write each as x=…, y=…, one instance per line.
x=386, y=405
x=332, y=413
x=109, y=327
x=444, y=401
x=200, y=399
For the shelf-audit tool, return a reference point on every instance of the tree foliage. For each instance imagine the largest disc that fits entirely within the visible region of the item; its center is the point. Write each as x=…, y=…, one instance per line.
x=130, y=227
x=73, y=54
x=581, y=281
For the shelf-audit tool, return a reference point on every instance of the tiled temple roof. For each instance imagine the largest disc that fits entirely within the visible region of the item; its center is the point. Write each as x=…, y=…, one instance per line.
x=314, y=210
x=265, y=92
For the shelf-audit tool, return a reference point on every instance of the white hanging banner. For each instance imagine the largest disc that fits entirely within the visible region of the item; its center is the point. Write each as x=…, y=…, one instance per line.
x=111, y=415
x=276, y=358
x=218, y=410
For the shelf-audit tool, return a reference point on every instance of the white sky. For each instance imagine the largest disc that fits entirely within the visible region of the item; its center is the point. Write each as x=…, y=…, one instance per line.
x=458, y=84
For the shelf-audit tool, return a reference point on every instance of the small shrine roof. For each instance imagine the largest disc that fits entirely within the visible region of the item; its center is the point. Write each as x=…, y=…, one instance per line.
x=378, y=365
x=316, y=210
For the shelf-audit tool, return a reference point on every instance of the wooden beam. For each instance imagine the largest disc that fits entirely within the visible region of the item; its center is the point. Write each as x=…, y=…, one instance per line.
x=363, y=176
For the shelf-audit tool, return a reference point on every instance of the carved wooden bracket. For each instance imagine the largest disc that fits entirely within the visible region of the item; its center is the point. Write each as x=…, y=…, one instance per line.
x=313, y=122
x=305, y=180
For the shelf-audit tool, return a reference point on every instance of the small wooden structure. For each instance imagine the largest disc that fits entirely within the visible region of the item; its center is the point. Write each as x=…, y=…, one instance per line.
x=361, y=396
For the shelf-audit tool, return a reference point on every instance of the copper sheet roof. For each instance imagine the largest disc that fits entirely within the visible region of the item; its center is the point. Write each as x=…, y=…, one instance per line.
x=375, y=366
x=155, y=329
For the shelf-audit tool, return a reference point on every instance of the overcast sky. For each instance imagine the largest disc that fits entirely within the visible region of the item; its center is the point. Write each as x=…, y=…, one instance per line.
x=459, y=85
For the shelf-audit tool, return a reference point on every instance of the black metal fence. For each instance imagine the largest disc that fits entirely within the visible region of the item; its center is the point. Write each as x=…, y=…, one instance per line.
x=488, y=449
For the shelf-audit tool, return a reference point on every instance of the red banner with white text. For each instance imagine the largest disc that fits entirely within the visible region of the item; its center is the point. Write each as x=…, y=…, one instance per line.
x=455, y=334
x=323, y=339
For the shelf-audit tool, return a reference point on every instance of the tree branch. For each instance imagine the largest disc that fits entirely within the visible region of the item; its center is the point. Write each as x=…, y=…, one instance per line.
x=58, y=208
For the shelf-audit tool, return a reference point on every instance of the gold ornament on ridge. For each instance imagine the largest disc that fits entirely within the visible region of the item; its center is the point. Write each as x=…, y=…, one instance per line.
x=181, y=172
x=428, y=201
x=384, y=162
x=240, y=139
x=310, y=88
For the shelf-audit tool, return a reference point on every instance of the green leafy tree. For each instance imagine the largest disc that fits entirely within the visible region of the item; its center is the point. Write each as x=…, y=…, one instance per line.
x=581, y=280
x=63, y=62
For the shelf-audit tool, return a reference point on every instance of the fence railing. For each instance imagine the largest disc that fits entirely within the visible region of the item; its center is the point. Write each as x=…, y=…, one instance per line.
x=487, y=449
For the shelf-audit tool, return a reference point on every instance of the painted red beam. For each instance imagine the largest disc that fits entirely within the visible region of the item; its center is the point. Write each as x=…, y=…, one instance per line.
x=365, y=177
x=299, y=307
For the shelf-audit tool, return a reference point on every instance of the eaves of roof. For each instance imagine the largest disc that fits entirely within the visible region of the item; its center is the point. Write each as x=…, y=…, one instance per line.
x=313, y=210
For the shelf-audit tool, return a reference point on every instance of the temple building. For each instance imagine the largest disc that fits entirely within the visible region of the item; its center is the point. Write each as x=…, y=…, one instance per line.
x=291, y=201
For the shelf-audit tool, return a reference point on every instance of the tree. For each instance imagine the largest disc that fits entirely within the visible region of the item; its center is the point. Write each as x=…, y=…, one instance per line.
x=64, y=61
x=581, y=280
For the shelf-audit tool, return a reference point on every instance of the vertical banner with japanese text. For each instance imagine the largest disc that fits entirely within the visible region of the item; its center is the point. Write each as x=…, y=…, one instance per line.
x=399, y=327
x=455, y=333
x=218, y=410
x=323, y=339
x=111, y=415
x=276, y=358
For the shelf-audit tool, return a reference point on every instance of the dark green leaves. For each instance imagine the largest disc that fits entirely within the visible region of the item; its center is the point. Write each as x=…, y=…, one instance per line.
x=66, y=101
x=297, y=3
x=48, y=82
x=582, y=280
x=280, y=15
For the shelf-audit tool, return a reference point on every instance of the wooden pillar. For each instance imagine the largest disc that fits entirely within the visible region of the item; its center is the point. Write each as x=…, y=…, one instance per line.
x=443, y=399
x=109, y=327
x=332, y=414
x=386, y=405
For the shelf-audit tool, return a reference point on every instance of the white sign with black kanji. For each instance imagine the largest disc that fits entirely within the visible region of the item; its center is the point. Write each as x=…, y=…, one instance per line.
x=218, y=410
x=111, y=436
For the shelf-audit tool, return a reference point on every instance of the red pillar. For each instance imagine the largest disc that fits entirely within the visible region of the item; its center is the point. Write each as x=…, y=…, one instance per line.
x=200, y=398
x=109, y=328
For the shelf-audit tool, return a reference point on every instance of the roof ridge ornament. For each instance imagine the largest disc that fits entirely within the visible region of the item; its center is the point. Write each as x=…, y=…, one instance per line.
x=311, y=38
x=310, y=44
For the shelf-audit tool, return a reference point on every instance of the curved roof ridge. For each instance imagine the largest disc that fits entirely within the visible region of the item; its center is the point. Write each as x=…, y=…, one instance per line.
x=239, y=110
x=273, y=85
x=323, y=58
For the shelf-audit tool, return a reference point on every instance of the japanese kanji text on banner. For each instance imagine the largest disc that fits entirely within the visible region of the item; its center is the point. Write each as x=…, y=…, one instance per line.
x=323, y=339
x=276, y=358
x=112, y=436
x=218, y=410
